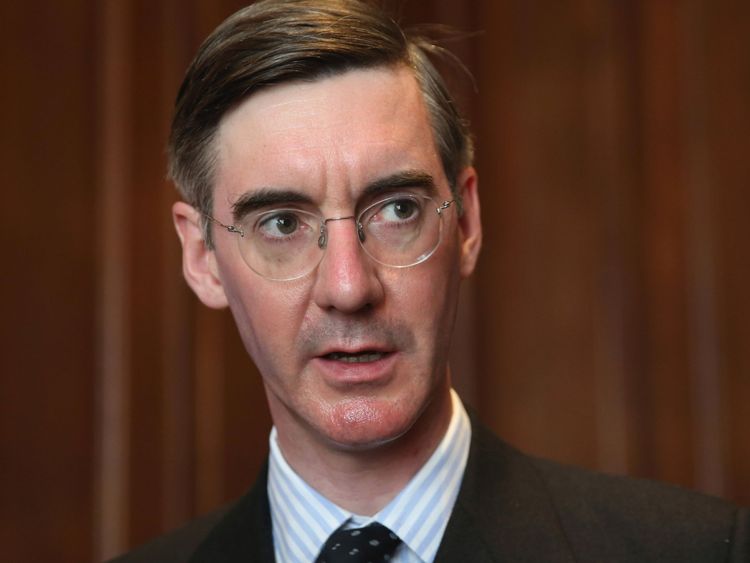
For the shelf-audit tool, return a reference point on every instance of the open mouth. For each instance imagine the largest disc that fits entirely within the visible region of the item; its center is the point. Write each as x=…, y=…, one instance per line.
x=357, y=357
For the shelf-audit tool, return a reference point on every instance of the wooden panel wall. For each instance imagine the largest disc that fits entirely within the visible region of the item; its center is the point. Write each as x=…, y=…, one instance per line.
x=47, y=374
x=607, y=325
x=615, y=334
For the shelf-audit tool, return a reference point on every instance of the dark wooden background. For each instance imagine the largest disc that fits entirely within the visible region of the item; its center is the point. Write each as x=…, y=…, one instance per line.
x=608, y=324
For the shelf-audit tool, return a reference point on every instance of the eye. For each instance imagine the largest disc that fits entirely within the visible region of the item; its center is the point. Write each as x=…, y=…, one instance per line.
x=399, y=210
x=286, y=224
x=281, y=224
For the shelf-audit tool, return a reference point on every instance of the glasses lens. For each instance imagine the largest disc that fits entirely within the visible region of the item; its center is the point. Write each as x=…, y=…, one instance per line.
x=284, y=244
x=402, y=230
x=281, y=244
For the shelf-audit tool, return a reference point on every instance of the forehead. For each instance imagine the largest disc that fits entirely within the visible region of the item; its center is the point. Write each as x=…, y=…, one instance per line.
x=326, y=138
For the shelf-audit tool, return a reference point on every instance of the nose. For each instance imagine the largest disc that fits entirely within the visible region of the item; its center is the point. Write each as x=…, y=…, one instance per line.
x=346, y=279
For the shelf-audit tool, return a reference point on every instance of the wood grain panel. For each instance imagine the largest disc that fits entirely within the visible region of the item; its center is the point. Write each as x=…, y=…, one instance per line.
x=537, y=279
x=666, y=381
x=147, y=437
x=610, y=169
x=596, y=121
x=728, y=82
x=48, y=236
x=112, y=344
x=703, y=339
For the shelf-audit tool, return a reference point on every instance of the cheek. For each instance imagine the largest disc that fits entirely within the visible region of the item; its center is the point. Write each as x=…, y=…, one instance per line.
x=427, y=296
x=267, y=319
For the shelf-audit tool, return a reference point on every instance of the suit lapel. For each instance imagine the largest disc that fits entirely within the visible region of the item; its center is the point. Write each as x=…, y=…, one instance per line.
x=503, y=511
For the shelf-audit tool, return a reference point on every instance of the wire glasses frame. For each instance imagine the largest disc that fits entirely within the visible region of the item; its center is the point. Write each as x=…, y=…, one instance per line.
x=284, y=244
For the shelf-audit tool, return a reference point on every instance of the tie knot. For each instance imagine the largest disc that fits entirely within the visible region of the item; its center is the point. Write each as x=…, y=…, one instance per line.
x=371, y=544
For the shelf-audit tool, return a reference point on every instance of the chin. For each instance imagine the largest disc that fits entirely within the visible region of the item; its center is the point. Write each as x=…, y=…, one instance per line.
x=363, y=424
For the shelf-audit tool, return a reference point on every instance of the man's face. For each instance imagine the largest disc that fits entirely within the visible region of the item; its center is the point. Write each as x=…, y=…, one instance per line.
x=353, y=353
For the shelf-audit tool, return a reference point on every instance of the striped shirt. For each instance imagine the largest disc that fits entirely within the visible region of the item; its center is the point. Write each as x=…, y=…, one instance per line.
x=302, y=518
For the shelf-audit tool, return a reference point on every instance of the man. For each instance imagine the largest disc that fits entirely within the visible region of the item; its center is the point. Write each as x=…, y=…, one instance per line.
x=331, y=204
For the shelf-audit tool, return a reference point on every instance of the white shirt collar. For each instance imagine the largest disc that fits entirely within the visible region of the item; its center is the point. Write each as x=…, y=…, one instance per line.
x=303, y=519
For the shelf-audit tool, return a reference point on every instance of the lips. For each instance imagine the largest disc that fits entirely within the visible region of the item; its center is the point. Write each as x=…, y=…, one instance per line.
x=344, y=367
x=355, y=357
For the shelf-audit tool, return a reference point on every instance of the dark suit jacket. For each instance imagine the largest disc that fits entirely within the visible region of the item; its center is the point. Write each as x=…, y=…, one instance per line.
x=513, y=508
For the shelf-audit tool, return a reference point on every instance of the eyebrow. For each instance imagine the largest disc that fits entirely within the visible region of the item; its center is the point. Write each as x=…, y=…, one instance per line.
x=399, y=180
x=267, y=197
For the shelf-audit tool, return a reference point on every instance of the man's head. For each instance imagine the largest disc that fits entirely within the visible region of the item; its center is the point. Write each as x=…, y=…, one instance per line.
x=278, y=41
x=310, y=168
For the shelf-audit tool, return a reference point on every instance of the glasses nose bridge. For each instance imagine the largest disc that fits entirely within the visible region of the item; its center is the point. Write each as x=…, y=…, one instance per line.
x=323, y=236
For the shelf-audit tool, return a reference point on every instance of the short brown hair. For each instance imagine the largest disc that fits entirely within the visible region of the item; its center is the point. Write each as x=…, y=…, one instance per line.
x=277, y=41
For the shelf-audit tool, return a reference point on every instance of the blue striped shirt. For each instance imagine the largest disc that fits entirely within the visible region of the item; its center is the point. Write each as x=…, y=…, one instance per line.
x=302, y=518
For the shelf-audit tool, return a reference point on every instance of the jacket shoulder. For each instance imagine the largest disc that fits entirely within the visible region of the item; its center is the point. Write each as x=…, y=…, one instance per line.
x=239, y=531
x=176, y=546
x=540, y=510
x=639, y=520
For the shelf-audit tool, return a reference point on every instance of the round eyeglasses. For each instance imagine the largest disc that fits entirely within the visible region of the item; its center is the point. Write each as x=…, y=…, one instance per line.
x=284, y=244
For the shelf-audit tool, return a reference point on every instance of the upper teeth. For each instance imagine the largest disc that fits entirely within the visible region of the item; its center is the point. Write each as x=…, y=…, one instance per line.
x=356, y=358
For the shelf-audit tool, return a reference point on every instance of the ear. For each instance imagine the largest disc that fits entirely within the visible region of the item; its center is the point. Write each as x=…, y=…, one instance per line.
x=470, y=222
x=198, y=261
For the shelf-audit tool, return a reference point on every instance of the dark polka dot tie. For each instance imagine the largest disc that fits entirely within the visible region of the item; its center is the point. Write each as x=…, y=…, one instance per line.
x=371, y=544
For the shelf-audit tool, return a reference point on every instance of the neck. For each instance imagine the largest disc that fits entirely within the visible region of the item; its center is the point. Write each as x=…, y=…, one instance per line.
x=365, y=481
